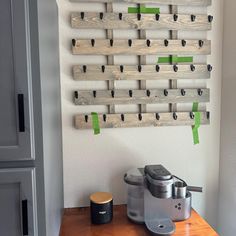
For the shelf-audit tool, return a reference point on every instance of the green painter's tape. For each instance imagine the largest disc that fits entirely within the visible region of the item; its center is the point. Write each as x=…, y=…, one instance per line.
x=174, y=59
x=197, y=123
x=144, y=10
x=95, y=120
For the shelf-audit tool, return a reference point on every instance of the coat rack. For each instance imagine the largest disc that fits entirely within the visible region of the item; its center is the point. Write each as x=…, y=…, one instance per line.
x=141, y=47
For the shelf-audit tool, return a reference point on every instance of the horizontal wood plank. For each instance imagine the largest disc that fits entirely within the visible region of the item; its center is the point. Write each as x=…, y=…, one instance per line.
x=140, y=120
x=140, y=47
x=148, y=72
x=113, y=97
x=90, y=20
x=166, y=2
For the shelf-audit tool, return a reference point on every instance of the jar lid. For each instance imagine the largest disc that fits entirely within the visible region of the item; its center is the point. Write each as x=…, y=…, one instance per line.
x=101, y=197
x=135, y=176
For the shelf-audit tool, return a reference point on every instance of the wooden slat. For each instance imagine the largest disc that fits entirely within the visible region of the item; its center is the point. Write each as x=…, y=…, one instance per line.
x=139, y=47
x=105, y=97
x=166, y=2
x=148, y=21
x=133, y=120
x=94, y=72
x=110, y=59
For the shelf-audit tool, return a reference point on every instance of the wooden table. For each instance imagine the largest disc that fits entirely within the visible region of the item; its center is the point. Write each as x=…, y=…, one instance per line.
x=76, y=222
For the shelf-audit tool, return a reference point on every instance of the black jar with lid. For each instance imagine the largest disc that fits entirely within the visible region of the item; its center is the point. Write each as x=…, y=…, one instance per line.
x=101, y=205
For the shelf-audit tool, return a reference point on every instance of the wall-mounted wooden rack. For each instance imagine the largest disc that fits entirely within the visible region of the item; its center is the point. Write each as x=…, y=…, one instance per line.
x=141, y=47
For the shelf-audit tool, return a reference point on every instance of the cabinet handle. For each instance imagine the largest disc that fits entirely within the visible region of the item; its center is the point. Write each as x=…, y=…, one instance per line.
x=25, y=217
x=21, y=112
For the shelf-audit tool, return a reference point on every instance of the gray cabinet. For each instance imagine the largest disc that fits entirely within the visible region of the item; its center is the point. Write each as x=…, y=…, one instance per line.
x=15, y=85
x=17, y=202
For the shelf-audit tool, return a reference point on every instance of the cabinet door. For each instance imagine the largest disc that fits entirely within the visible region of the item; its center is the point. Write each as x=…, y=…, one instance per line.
x=15, y=95
x=17, y=202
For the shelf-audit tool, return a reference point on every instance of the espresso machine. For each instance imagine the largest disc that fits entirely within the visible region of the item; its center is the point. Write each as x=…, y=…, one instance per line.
x=157, y=198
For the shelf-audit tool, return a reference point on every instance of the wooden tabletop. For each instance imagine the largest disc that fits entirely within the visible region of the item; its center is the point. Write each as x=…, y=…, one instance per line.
x=76, y=222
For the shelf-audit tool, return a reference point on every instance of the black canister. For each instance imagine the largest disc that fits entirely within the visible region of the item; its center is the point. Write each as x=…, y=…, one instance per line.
x=101, y=205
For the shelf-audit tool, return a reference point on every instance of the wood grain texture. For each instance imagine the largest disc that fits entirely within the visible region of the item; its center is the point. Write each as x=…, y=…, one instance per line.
x=166, y=2
x=148, y=21
x=104, y=97
x=148, y=72
x=139, y=47
x=133, y=120
x=76, y=222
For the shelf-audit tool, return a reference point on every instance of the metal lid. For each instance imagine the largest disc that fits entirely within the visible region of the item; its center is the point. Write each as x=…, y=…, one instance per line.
x=101, y=197
x=157, y=172
x=135, y=176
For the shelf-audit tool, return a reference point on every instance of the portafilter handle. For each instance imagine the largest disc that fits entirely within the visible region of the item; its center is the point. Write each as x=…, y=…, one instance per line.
x=194, y=189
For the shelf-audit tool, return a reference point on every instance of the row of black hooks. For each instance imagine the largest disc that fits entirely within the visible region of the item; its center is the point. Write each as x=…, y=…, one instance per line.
x=158, y=68
x=148, y=42
x=148, y=93
x=140, y=117
x=139, y=17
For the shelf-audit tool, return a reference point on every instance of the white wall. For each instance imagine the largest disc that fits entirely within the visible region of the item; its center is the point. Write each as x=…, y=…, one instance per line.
x=227, y=203
x=98, y=163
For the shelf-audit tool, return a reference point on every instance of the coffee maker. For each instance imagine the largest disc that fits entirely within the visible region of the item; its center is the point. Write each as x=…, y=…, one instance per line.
x=158, y=198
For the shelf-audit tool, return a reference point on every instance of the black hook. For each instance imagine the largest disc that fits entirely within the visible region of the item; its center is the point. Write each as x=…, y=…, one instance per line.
x=139, y=16
x=93, y=42
x=121, y=69
x=157, y=116
x=201, y=43
x=113, y=93
x=165, y=92
x=140, y=116
x=148, y=42
x=200, y=92
x=76, y=95
x=85, y=69
x=101, y=15
x=175, y=16
x=193, y=18
x=175, y=67
x=120, y=16
x=139, y=68
x=183, y=92
x=73, y=42
x=183, y=42
x=82, y=15
x=103, y=69
x=148, y=93
x=86, y=118
x=130, y=42
x=208, y=115
x=157, y=68
x=104, y=117
x=94, y=93
x=122, y=117
x=209, y=68
x=210, y=18
x=157, y=17
x=192, y=67
x=131, y=93
x=166, y=42
x=175, y=116
x=111, y=42
x=191, y=115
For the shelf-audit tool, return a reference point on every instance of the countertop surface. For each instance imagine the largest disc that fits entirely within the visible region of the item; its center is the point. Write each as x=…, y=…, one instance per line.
x=76, y=222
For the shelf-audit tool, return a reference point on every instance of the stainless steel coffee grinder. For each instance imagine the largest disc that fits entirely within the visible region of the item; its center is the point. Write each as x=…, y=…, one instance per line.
x=157, y=198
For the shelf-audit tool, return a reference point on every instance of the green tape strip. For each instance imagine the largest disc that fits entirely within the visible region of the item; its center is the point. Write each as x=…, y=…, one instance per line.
x=144, y=10
x=174, y=59
x=95, y=121
x=197, y=121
